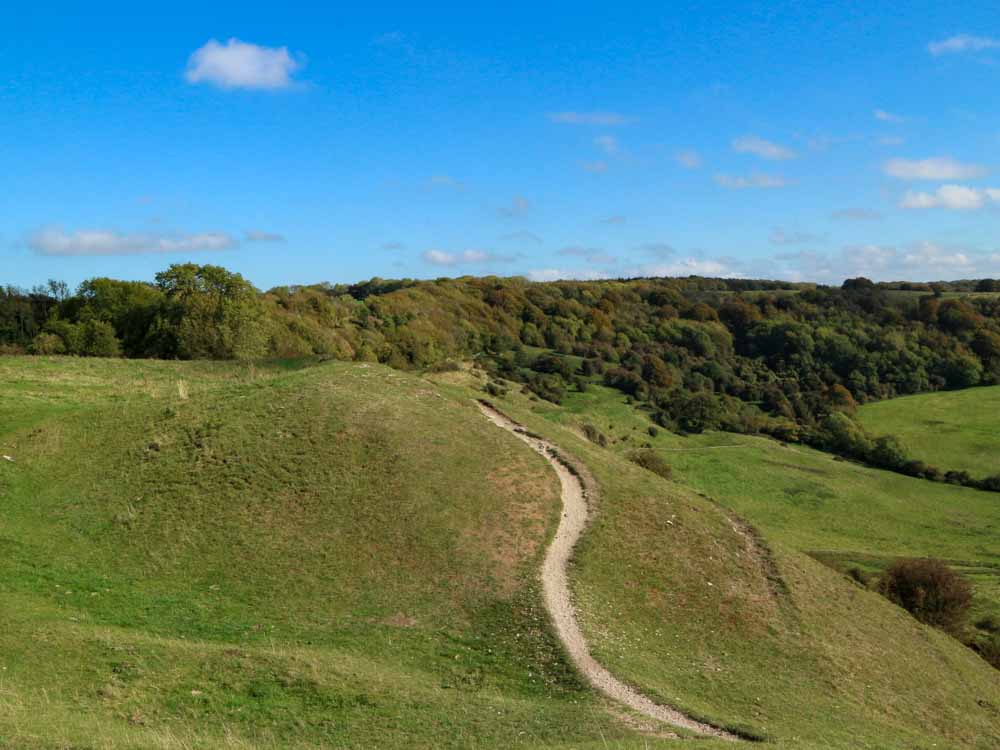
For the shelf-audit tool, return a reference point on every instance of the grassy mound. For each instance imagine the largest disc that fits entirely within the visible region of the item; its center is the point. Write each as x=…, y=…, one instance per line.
x=196, y=555
x=953, y=430
x=682, y=598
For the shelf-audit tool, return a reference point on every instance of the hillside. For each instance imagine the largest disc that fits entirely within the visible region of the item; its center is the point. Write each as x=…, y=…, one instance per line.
x=209, y=555
x=954, y=430
x=677, y=591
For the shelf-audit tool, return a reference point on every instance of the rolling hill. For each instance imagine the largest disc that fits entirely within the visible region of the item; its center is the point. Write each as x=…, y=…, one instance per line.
x=203, y=555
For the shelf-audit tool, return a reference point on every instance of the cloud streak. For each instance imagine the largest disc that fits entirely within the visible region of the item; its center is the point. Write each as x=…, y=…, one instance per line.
x=952, y=197
x=962, y=43
x=89, y=242
x=466, y=257
x=933, y=168
x=752, y=144
x=589, y=118
x=751, y=182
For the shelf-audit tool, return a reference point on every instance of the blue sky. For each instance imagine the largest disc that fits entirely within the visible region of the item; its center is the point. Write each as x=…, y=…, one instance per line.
x=301, y=144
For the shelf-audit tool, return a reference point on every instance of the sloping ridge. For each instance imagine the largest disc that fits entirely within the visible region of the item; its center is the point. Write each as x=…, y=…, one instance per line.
x=555, y=586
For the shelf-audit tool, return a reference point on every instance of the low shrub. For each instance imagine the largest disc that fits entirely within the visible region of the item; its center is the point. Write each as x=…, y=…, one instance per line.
x=595, y=436
x=930, y=591
x=651, y=461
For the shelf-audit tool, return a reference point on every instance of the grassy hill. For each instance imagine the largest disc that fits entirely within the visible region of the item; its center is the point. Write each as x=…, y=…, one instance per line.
x=196, y=555
x=199, y=555
x=678, y=592
x=953, y=430
x=837, y=511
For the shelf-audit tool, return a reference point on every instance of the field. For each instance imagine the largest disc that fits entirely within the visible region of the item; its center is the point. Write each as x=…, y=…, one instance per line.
x=953, y=430
x=835, y=510
x=205, y=555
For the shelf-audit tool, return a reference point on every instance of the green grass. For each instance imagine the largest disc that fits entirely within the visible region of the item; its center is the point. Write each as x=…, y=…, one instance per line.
x=200, y=555
x=953, y=430
x=760, y=635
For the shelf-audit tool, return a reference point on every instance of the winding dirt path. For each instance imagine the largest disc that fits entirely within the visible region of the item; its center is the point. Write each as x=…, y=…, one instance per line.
x=558, y=601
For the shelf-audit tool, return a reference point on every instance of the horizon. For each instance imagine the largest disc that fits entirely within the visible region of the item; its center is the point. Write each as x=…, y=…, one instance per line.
x=795, y=143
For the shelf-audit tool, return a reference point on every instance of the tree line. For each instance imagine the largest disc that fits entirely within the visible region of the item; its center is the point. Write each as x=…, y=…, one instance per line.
x=754, y=356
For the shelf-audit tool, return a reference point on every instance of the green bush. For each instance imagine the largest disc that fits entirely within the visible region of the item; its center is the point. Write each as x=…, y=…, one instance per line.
x=651, y=461
x=930, y=591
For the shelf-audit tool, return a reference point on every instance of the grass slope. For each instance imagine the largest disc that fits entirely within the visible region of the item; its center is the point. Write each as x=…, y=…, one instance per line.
x=199, y=556
x=202, y=556
x=957, y=430
x=683, y=600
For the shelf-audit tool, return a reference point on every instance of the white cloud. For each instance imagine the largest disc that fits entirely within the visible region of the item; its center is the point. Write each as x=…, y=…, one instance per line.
x=891, y=140
x=519, y=206
x=240, y=65
x=616, y=220
x=918, y=261
x=689, y=158
x=55, y=241
x=466, y=257
x=934, y=168
x=608, y=143
x=590, y=118
x=881, y=114
x=557, y=274
x=595, y=167
x=393, y=246
x=931, y=255
x=756, y=180
x=962, y=43
x=688, y=267
x=258, y=235
x=752, y=144
x=953, y=197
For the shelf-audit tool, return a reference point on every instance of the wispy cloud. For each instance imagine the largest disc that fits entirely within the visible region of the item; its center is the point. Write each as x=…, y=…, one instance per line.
x=688, y=158
x=934, y=168
x=393, y=246
x=594, y=167
x=557, y=274
x=56, y=241
x=752, y=144
x=754, y=181
x=465, y=257
x=883, y=116
x=258, y=235
x=616, y=220
x=590, y=118
x=952, y=197
x=962, y=43
x=240, y=65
